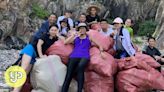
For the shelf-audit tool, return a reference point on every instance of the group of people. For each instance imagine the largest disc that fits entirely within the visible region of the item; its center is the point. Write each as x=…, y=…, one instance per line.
x=75, y=32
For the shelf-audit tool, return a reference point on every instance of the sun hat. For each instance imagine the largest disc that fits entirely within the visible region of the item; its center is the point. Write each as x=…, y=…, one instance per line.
x=93, y=6
x=118, y=20
x=82, y=25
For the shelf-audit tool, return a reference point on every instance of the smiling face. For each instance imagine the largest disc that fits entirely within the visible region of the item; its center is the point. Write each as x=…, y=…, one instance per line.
x=82, y=18
x=53, y=31
x=93, y=11
x=52, y=18
x=68, y=14
x=151, y=42
x=63, y=24
x=104, y=25
x=117, y=25
x=128, y=22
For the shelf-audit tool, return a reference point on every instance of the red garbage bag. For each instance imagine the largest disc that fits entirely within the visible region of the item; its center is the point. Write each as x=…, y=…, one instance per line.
x=135, y=80
x=124, y=64
x=132, y=62
x=105, y=66
x=123, y=84
x=101, y=40
x=96, y=27
x=27, y=87
x=112, y=52
x=162, y=70
x=60, y=49
x=96, y=83
x=148, y=59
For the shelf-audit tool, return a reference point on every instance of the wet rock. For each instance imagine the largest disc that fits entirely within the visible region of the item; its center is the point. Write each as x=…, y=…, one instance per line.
x=13, y=42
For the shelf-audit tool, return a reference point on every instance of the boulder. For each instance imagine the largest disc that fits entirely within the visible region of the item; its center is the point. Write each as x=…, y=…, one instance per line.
x=13, y=42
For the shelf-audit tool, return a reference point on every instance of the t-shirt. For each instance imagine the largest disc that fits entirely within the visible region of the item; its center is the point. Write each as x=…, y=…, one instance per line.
x=130, y=30
x=64, y=31
x=47, y=42
x=89, y=18
x=108, y=32
x=152, y=51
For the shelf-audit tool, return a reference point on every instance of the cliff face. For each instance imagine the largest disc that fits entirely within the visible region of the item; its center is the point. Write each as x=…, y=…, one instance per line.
x=16, y=20
x=135, y=9
x=160, y=28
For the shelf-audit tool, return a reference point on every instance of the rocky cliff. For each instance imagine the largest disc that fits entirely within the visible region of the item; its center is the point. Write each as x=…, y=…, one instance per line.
x=159, y=33
x=18, y=20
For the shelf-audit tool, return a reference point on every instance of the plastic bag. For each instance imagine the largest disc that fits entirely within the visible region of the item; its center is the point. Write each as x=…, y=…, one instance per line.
x=60, y=49
x=105, y=66
x=97, y=83
x=48, y=75
x=101, y=40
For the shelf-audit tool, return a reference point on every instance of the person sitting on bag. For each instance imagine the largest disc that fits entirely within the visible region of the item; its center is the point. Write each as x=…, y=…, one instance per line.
x=93, y=11
x=64, y=28
x=45, y=27
x=123, y=44
x=29, y=52
x=106, y=29
x=68, y=15
x=82, y=19
x=128, y=26
x=79, y=57
x=153, y=51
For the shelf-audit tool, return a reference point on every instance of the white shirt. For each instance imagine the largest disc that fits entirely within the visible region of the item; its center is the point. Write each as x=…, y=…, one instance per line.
x=64, y=31
x=108, y=32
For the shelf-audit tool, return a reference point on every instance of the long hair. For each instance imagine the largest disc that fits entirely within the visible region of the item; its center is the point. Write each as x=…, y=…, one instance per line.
x=68, y=26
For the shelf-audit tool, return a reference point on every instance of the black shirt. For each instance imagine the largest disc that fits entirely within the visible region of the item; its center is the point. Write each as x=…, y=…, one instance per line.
x=47, y=42
x=152, y=51
x=89, y=18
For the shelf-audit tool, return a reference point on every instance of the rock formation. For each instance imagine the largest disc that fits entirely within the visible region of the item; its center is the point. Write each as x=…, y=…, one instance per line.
x=159, y=33
x=17, y=18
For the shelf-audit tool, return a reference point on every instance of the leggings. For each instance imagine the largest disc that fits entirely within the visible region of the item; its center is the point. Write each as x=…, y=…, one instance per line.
x=75, y=66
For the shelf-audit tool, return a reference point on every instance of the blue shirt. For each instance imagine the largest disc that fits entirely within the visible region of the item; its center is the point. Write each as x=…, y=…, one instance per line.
x=43, y=29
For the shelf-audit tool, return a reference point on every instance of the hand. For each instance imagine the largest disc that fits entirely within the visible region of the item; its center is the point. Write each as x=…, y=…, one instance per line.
x=157, y=58
x=73, y=29
x=162, y=59
x=43, y=56
x=128, y=58
x=73, y=33
x=112, y=34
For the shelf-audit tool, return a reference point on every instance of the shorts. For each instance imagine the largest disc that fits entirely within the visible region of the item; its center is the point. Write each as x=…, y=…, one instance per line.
x=30, y=51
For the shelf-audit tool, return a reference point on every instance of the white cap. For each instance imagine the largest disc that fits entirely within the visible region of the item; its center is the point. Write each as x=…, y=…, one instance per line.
x=118, y=20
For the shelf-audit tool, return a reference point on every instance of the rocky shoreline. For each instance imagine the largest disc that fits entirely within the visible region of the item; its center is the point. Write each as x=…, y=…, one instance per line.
x=8, y=57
